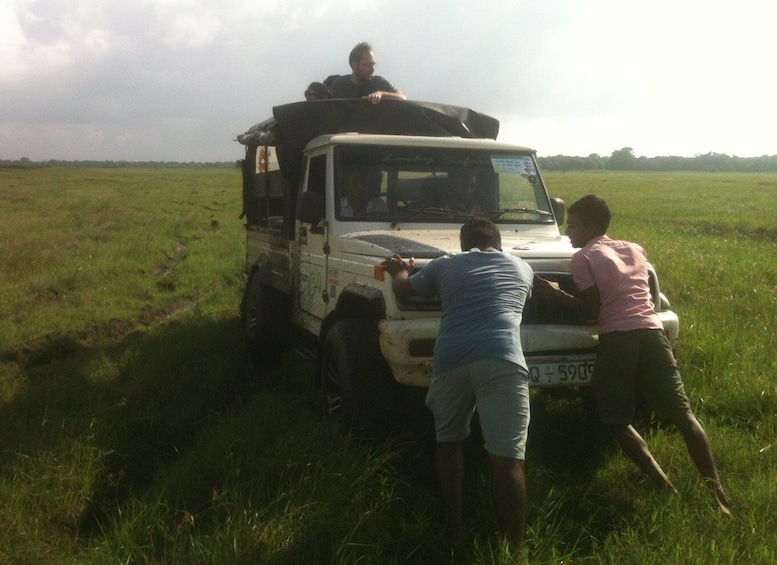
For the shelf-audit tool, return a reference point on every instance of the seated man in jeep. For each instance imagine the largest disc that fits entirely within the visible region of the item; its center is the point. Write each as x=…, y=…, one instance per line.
x=357, y=201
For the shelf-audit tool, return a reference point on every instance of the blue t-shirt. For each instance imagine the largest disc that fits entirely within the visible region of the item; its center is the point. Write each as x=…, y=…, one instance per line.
x=483, y=294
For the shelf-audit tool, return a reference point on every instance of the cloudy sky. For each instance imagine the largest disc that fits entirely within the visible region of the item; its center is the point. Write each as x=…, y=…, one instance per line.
x=176, y=80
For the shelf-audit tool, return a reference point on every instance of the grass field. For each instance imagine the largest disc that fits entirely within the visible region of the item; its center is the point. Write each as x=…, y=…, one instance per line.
x=133, y=428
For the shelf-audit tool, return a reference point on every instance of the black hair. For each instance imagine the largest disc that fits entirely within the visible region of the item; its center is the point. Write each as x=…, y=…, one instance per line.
x=480, y=233
x=318, y=89
x=592, y=211
x=357, y=52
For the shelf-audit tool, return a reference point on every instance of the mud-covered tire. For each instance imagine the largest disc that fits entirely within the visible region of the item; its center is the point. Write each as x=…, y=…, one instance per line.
x=356, y=381
x=265, y=318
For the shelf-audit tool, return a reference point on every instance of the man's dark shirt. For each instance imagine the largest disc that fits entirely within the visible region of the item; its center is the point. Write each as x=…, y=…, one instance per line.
x=343, y=87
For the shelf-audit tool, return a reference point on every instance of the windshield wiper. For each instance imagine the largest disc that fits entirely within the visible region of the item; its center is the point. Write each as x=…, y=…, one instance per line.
x=502, y=211
x=411, y=213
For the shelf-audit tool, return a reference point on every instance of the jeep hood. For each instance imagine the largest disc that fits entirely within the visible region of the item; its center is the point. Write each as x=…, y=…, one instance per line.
x=432, y=244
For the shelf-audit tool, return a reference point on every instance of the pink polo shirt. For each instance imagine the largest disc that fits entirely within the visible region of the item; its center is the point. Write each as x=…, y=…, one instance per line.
x=618, y=269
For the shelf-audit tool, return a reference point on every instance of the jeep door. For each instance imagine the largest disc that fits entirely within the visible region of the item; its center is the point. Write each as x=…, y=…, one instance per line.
x=312, y=242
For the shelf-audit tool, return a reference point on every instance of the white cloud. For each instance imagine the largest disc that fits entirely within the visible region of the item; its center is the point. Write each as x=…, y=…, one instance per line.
x=189, y=29
x=20, y=54
x=176, y=79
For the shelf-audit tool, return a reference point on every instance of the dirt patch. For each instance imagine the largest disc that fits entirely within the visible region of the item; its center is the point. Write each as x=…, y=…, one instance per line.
x=52, y=347
x=170, y=261
x=116, y=328
x=59, y=347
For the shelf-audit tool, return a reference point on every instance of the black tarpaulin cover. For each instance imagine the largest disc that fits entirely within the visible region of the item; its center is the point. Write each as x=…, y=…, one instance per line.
x=299, y=122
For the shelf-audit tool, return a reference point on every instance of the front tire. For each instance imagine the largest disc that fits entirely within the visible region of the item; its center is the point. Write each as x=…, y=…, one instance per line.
x=356, y=381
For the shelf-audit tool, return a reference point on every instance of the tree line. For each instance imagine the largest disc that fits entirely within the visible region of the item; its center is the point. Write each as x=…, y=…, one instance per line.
x=619, y=160
x=625, y=160
x=25, y=162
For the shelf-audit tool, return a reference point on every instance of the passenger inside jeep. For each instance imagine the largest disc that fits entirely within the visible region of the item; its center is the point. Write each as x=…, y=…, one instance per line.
x=465, y=195
x=361, y=189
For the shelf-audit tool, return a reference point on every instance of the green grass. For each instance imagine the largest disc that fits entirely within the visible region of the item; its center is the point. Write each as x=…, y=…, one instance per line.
x=133, y=428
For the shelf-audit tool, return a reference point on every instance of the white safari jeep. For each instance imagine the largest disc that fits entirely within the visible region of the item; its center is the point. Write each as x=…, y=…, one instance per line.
x=313, y=256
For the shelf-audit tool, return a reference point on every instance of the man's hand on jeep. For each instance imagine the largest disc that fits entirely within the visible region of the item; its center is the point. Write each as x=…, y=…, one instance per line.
x=399, y=269
x=544, y=288
x=395, y=264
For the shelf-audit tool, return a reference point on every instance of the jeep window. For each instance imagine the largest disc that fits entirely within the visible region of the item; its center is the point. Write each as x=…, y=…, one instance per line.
x=317, y=174
x=428, y=184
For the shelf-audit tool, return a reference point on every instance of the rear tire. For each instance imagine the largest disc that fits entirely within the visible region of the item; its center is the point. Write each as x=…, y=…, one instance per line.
x=265, y=314
x=356, y=381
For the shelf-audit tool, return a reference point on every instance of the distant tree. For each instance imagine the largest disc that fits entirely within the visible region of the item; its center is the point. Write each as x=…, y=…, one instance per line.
x=622, y=160
x=595, y=161
x=714, y=162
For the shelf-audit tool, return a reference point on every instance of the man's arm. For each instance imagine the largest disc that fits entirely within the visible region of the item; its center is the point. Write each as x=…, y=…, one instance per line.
x=587, y=305
x=399, y=270
x=376, y=97
x=383, y=89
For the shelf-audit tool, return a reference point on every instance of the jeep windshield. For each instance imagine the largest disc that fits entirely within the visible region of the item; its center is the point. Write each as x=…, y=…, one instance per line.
x=432, y=184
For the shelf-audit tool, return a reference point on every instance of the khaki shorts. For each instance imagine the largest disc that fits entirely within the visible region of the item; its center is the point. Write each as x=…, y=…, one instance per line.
x=637, y=360
x=500, y=391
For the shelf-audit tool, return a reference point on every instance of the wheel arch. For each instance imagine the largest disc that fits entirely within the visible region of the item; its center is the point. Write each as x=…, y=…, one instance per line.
x=361, y=302
x=261, y=266
x=259, y=269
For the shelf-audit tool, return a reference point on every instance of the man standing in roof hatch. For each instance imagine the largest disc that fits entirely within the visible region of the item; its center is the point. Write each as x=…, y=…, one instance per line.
x=363, y=82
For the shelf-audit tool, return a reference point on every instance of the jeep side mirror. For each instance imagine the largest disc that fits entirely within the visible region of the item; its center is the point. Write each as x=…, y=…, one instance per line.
x=311, y=208
x=559, y=210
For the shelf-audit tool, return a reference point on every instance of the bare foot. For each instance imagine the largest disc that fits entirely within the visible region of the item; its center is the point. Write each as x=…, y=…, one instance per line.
x=663, y=483
x=724, y=506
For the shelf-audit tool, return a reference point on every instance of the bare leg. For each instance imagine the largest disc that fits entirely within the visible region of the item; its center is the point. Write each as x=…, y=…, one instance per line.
x=637, y=450
x=508, y=491
x=701, y=453
x=450, y=473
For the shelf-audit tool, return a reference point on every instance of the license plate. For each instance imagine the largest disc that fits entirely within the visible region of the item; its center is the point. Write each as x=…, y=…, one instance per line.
x=568, y=372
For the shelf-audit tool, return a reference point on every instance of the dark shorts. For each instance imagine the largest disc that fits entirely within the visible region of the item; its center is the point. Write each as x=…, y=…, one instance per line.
x=638, y=360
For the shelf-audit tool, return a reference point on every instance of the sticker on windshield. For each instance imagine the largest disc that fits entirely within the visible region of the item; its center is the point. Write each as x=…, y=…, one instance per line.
x=513, y=164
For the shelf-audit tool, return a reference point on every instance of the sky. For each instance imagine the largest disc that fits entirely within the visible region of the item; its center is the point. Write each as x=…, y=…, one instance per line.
x=177, y=80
